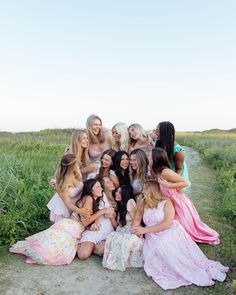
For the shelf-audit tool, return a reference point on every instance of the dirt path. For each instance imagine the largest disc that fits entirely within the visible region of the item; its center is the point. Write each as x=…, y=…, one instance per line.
x=89, y=277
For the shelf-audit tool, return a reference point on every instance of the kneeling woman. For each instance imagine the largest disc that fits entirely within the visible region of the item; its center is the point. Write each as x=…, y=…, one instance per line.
x=122, y=248
x=171, y=257
x=57, y=245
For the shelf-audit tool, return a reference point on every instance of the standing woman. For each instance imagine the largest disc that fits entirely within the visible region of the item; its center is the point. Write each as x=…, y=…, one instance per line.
x=165, y=132
x=139, y=139
x=138, y=171
x=171, y=185
x=120, y=137
x=121, y=167
x=99, y=137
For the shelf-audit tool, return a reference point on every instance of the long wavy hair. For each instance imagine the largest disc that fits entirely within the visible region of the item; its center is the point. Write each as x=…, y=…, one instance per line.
x=152, y=196
x=126, y=192
x=76, y=146
x=122, y=129
x=66, y=168
x=142, y=166
x=100, y=138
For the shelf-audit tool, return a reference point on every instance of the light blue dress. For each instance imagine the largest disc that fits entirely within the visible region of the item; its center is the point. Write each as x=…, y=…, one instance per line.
x=179, y=148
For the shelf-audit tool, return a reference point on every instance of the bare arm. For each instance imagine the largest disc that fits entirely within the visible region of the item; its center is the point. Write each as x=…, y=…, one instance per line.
x=89, y=206
x=172, y=180
x=169, y=214
x=138, y=214
x=179, y=160
x=69, y=204
x=115, y=180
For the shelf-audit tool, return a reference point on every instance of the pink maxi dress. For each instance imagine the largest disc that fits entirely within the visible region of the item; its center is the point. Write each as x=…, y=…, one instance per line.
x=188, y=217
x=173, y=259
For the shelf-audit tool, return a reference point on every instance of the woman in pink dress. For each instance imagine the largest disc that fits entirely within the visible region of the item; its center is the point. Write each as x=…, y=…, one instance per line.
x=57, y=245
x=99, y=137
x=171, y=258
x=171, y=185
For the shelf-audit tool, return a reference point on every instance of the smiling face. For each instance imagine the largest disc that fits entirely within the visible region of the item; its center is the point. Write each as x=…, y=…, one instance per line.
x=124, y=163
x=133, y=133
x=97, y=190
x=96, y=126
x=133, y=162
x=106, y=161
x=109, y=186
x=116, y=135
x=118, y=196
x=85, y=141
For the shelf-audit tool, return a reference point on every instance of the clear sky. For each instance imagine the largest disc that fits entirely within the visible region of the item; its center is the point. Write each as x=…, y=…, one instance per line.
x=128, y=60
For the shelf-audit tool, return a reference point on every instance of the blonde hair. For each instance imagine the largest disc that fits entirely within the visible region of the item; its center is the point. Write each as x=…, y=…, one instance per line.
x=122, y=130
x=152, y=196
x=76, y=147
x=100, y=138
x=142, y=166
x=110, y=199
x=65, y=170
x=141, y=133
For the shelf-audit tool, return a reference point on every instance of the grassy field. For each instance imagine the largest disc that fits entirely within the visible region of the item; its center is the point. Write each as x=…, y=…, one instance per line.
x=29, y=160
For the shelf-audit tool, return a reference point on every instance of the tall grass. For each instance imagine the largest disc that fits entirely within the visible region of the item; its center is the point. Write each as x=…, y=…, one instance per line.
x=25, y=171
x=220, y=152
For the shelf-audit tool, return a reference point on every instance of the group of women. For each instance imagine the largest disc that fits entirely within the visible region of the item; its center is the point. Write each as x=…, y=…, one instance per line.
x=121, y=194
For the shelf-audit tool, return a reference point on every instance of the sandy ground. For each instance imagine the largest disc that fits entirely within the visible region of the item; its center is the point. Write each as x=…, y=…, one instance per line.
x=85, y=277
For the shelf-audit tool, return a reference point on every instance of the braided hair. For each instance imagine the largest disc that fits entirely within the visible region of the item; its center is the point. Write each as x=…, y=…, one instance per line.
x=167, y=137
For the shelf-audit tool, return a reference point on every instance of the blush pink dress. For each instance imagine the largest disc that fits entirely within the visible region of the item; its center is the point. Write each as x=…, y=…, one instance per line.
x=173, y=259
x=95, y=150
x=188, y=217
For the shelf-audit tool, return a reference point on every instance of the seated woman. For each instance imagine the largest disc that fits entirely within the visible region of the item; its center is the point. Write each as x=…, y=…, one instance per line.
x=93, y=237
x=171, y=185
x=171, y=258
x=69, y=186
x=57, y=245
x=122, y=248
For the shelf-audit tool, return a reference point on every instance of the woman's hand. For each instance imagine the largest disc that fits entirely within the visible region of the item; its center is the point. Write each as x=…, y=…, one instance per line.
x=53, y=183
x=84, y=212
x=95, y=226
x=94, y=167
x=139, y=230
x=108, y=211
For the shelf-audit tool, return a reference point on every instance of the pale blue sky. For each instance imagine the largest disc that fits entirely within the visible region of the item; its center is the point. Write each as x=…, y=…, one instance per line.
x=131, y=61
